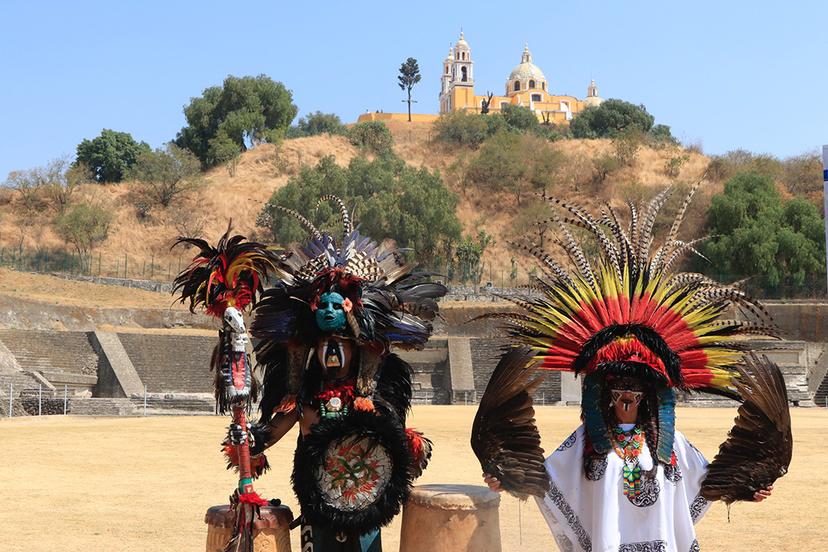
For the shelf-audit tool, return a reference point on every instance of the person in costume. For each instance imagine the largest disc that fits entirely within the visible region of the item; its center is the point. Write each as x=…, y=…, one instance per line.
x=225, y=280
x=325, y=331
x=638, y=332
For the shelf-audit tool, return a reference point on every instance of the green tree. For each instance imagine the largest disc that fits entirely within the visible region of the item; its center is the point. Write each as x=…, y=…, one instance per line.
x=373, y=136
x=166, y=173
x=468, y=257
x=391, y=199
x=661, y=135
x=610, y=118
x=516, y=164
x=468, y=129
x=243, y=111
x=317, y=123
x=110, y=155
x=520, y=118
x=84, y=226
x=779, y=244
x=408, y=77
x=500, y=166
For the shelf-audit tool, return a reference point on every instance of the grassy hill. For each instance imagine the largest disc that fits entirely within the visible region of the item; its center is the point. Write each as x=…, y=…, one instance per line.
x=144, y=243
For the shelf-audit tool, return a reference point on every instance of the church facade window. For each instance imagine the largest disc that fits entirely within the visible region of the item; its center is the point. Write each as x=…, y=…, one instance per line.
x=531, y=84
x=464, y=74
x=517, y=86
x=536, y=97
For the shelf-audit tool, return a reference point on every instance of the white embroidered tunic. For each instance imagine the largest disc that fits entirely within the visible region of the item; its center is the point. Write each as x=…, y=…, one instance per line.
x=587, y=510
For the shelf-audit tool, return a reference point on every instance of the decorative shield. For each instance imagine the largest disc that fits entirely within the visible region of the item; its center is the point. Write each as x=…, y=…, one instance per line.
x=352, y=473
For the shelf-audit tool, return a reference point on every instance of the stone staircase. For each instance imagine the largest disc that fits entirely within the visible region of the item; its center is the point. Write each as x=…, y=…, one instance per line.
x=171, y=363
x=429, y=378
x=52, y=351
x=821, y=395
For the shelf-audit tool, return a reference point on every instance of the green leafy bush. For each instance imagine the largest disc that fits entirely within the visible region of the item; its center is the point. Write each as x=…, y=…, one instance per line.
x=609, y=118
x=779, y=245
x=317, y=123
x=373, y=136
x=391, y=199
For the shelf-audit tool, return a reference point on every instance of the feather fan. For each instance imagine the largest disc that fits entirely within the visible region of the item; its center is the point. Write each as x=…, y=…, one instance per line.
x=758, y=449
x=504, y=436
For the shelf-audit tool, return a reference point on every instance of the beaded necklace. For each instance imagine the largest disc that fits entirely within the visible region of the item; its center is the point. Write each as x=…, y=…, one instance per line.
x=627, y=445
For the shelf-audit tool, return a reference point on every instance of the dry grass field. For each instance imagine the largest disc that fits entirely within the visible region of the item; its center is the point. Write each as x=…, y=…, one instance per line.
x=143, y=484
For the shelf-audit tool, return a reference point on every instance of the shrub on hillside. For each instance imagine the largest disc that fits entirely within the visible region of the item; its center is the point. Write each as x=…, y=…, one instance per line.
x=466, y=261
x=602, y=167
x=317, y=123
x=520, y=118
x=661, y=136
x=609, y=118
x=626, y=145
x=83, y=226
x=110, y=155
x=165, y=174
x=391, y=199
x=802, y=174
x=467, y=129
x=725, y=167
x=243, y=111
x=779, y=245
x=673, y=165
x=52, y=185
x=516, y=164
x=373, y=136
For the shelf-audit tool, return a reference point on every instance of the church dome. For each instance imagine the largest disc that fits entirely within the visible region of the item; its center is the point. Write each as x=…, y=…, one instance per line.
x=526, y=69
x=461, y=43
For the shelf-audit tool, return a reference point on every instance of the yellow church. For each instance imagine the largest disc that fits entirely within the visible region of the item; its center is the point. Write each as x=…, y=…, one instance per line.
x=526, y=86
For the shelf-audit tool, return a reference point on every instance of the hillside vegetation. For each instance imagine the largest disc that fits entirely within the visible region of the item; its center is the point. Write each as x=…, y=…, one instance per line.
x=239, y=192
x=496, y=178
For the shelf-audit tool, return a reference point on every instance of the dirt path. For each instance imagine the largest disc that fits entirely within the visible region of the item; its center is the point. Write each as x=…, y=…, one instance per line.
x=138, y=484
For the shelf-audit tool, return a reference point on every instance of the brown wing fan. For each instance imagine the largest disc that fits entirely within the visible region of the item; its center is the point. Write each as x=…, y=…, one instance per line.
x=504, y=436
x=758, y=448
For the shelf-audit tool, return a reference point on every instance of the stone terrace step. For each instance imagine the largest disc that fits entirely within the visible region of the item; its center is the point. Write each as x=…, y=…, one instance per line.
x=37, y=350
x=171, y=363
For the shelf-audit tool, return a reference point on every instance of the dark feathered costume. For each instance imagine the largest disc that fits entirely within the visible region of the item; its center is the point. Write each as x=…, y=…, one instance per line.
x=385, y=305
x=627, y=313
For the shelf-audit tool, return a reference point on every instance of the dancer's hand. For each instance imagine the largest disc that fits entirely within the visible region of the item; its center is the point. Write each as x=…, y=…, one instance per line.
x=493, y=482
x=762, y=494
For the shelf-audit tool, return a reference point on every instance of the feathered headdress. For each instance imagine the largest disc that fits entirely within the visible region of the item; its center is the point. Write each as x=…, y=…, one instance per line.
x=628, y=312
x=386, y=303
x=229, y=274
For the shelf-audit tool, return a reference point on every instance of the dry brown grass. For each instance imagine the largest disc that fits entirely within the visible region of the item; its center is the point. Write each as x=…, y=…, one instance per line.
x=267, y=168
x=137, y=484
x=51, y=290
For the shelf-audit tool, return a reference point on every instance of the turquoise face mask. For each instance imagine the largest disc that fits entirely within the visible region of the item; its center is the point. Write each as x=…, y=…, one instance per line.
x=330, y=312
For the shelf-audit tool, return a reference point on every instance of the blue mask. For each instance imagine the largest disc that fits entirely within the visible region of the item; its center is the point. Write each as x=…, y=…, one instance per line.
x=330, y=312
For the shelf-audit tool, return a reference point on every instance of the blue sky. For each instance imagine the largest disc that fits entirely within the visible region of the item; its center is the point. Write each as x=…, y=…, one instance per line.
x=735, y=74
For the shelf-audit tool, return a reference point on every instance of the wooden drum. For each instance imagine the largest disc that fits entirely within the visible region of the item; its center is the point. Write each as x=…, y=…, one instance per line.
x=451, y=518
x=271, y=531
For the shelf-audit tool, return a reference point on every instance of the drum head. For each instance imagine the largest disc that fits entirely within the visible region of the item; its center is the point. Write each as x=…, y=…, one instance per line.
x=353, y=473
